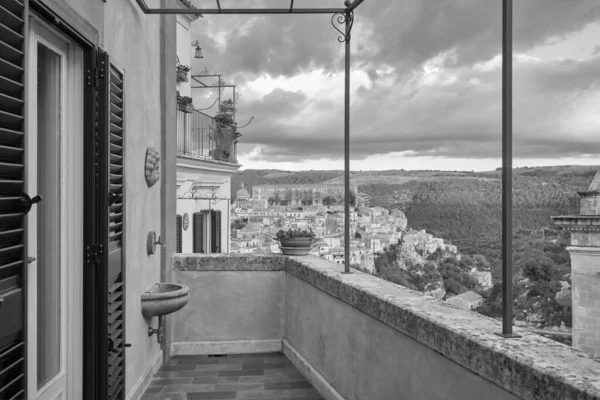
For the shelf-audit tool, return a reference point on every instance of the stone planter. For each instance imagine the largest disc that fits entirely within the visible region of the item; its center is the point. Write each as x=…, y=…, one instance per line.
x=296, y=246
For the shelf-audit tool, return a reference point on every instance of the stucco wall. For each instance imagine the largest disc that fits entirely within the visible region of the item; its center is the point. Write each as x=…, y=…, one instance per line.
x=251, y=301
x=132, y=40
x=133, y=43
x=365, y=359
x=240, y=301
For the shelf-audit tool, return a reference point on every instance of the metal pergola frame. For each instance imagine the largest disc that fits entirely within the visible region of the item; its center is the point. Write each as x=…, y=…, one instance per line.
x=350, y=6
x=220, y=86
x=345, y=16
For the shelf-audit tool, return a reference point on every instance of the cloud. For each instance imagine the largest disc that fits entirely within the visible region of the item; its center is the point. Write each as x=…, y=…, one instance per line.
x=426, y=80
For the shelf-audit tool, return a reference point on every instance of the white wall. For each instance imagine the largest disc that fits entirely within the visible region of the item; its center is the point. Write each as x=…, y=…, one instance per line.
x=204, y=171
x=185, y=51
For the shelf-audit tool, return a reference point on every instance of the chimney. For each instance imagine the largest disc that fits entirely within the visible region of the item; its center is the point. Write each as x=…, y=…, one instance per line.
x=585, y=268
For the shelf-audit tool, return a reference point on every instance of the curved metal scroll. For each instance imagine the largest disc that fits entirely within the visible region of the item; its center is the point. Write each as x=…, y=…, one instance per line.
x=341, y=19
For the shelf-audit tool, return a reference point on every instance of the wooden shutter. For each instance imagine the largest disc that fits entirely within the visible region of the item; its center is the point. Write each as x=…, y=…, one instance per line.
x=215, y=233
x=12, y=222
x=179, y=233
x=111, y=274
x=199, y=238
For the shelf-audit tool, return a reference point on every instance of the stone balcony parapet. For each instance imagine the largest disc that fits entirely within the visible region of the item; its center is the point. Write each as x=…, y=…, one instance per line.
x=228, y=262
x=529, y=367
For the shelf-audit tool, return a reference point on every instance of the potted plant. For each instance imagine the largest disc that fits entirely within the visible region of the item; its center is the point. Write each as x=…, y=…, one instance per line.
x=225, y=131
x=182, y=72
x=295, y=242
x=184, y=103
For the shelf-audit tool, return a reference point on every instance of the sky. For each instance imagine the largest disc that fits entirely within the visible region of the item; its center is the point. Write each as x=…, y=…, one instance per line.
x=425, y=84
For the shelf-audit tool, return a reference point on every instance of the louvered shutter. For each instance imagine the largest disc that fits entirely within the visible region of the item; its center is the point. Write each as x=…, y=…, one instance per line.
x=215, y=231
x=111, y=231
x=199, y=232
x=178, y=229
x=12, y=223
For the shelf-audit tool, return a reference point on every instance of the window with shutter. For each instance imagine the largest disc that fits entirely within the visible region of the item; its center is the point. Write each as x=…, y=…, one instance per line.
x=216, y=231
x=179, y=233
x=199, y=236
x=12, y=227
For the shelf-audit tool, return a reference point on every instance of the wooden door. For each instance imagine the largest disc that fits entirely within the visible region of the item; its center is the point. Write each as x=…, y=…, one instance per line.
x=54, y=160
x=112, y=279
x=104, y=376
x=13, y=204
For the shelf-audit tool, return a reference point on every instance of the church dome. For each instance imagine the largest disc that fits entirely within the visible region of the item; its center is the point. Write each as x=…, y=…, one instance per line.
x=242, y=193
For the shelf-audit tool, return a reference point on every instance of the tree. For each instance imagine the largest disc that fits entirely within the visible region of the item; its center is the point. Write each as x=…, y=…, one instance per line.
x=352, y=198
x=541, y=269
x=481, y=262
x=329, y=201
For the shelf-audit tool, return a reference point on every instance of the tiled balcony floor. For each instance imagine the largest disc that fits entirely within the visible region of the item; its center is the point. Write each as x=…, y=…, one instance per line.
x=240, y=376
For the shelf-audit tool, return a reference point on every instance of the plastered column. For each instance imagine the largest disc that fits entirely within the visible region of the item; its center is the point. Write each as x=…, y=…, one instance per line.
x=585, y=268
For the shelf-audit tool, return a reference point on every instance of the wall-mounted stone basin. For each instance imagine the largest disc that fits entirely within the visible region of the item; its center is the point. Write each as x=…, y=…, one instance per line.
x=164, y=298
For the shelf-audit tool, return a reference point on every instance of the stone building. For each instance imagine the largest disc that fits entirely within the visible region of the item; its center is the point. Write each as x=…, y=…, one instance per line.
x=297, y=195
x=466, y=301
x=585, y=268
x=242, y=196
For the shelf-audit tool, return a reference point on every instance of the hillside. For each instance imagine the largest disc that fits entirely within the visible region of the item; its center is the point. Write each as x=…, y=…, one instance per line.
x=464, y=207
x=468, y=210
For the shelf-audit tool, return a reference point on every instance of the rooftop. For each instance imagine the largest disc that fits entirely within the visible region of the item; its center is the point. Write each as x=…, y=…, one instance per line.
x=469, y=296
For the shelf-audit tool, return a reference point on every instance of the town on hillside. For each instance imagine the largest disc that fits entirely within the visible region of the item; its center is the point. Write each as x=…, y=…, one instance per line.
x=256, y=219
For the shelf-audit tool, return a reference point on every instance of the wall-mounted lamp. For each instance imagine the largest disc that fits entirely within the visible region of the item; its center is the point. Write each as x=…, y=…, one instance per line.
x=198, y=49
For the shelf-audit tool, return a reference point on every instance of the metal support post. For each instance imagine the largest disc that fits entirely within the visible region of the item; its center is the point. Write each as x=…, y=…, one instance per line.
x=349, y=17
x=507, y=289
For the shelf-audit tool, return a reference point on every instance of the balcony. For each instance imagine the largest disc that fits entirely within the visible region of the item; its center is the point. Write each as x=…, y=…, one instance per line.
x=197, y=137
x=355, y=336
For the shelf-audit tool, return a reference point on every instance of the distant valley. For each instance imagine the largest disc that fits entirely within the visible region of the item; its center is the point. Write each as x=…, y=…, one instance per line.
x=464, y=207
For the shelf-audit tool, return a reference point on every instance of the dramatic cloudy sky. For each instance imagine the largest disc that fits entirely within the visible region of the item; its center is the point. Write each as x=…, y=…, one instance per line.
x=425, y=84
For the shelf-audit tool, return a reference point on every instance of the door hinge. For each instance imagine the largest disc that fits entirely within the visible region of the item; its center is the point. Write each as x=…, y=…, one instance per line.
x=93, y=253
x=93, y=74
x=92, y=77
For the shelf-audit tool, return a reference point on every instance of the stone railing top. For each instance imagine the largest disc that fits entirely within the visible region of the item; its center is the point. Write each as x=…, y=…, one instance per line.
x=530, y=367
x=228, y=262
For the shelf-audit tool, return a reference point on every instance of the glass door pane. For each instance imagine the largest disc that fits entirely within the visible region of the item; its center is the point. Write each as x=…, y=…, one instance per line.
x=49, y=124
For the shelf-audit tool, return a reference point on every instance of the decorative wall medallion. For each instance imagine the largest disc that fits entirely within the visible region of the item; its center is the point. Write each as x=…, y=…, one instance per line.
x=186, y=221
x=152, y=166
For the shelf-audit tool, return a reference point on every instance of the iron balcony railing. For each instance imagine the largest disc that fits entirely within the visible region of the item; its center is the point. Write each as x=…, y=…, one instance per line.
x=198, y=137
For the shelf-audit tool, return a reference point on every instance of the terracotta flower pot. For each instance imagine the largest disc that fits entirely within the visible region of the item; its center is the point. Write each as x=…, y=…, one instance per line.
x=297, y=242
x=294, y=251
x=296, y=246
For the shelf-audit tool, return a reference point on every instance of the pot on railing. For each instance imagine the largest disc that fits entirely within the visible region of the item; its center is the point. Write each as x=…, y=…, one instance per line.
x=296, y=246
x=295, y=242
